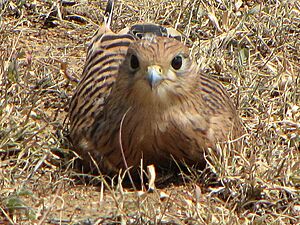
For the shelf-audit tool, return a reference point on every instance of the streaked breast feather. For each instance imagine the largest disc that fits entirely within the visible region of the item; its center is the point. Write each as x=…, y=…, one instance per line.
x=104, y=56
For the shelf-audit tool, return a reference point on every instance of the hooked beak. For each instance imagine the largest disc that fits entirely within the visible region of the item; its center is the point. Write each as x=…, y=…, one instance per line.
x=154, y=76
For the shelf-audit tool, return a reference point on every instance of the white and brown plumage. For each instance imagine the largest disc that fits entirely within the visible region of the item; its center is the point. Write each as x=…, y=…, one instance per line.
x=149, y=90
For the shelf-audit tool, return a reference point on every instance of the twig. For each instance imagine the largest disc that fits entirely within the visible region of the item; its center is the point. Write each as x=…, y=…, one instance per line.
x=7, y=216
x=51, y=205
x=122, y=150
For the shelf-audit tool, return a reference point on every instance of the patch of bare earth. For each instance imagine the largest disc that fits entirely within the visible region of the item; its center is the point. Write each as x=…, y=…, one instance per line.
x=251, y=46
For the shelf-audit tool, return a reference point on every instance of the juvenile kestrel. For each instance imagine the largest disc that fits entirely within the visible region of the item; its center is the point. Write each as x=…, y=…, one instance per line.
x=141, y=96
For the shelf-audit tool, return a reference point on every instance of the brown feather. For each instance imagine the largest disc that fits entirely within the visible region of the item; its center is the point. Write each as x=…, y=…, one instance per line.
x=186, y=114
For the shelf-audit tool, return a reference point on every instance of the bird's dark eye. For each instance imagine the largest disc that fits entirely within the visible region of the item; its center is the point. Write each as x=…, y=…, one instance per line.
x=134, y=62
x=177, y=62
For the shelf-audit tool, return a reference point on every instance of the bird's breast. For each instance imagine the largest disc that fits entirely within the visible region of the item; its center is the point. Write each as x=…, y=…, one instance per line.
x=158, y=135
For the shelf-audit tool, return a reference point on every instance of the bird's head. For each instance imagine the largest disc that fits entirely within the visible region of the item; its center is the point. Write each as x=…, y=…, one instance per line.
x=157, y=68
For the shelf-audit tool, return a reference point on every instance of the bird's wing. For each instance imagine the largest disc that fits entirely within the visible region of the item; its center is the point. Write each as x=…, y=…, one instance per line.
x=105, y=54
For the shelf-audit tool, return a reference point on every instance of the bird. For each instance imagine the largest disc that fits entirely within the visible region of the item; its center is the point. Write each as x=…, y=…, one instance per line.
x=142, y=98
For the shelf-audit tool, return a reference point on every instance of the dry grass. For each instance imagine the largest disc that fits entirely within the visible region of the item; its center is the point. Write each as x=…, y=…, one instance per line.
x=252, y=46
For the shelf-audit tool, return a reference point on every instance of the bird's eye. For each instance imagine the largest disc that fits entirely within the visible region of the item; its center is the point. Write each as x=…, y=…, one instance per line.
x=177, y=62
x=134, y=62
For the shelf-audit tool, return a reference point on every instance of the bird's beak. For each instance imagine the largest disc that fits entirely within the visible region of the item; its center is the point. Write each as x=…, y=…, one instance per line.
x=154, y=76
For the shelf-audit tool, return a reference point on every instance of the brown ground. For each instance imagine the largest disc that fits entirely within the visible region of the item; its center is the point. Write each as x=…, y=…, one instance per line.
x=253, y=47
